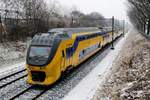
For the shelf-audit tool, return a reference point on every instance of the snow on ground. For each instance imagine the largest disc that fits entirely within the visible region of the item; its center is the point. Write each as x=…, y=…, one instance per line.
x=9, y=69
x=12, y=56
x=88, y=86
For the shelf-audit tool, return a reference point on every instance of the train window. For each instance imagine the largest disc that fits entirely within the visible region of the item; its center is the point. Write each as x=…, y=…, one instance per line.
x=99, y=45
x=46, y=41
x=91, y=36
x=85, y=37
x=39, y=52
x=63, y=53
x=83, y=51
x=41, y=41
x=82, y=38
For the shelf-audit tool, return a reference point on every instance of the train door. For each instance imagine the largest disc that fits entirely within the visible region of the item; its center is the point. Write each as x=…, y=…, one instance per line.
x=63, y=60
x=69, y=56
x=66, y=60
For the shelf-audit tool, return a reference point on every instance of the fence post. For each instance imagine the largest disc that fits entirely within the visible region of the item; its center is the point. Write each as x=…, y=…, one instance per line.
x=112, y=46
x=123, y=28
x=148, y=27
x=0, y=29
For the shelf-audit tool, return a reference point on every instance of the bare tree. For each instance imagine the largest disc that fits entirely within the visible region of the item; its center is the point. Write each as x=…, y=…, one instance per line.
x=25, y=18
x=139, y=14
x=80, y=19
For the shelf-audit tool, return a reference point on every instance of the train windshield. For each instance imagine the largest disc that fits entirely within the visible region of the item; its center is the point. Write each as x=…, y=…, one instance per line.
x=40, y=53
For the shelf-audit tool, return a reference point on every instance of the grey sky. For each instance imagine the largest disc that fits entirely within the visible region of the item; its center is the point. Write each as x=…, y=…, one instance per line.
x=107, y=8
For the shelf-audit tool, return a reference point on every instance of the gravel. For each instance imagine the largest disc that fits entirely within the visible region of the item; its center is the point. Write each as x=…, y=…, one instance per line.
x=10, y=90
x=12, y=53
x=30, y=94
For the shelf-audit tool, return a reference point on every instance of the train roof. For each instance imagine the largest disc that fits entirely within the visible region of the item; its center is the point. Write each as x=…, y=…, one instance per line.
x=74, y=30
x=68, y=32
x=63, y=33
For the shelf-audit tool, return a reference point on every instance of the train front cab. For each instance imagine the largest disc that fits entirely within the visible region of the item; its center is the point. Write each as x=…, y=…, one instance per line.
x=49, y=72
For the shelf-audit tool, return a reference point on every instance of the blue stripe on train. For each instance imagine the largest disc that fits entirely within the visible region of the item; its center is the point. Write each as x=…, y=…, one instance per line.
x=70, y=51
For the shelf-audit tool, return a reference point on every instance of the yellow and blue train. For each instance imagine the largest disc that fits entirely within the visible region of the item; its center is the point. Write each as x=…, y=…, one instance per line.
x=51, y=54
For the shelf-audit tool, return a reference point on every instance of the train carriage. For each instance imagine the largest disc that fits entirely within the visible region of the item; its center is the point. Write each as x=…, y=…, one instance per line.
x=52, y=53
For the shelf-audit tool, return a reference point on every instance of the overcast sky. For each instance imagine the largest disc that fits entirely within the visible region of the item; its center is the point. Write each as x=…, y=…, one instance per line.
x=107, y=8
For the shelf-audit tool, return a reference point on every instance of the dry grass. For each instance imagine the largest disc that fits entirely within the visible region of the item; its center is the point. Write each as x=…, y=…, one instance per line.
x=129, y=78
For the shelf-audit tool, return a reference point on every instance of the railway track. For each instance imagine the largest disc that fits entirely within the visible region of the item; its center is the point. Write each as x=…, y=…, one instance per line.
x=12, y=74
x=7, y=80
x=29, y=90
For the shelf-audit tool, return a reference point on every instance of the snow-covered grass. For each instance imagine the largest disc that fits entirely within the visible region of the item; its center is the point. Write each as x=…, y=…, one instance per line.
x=88, y=86
x=12, y=53
x=12, y=68
x=12, y=57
